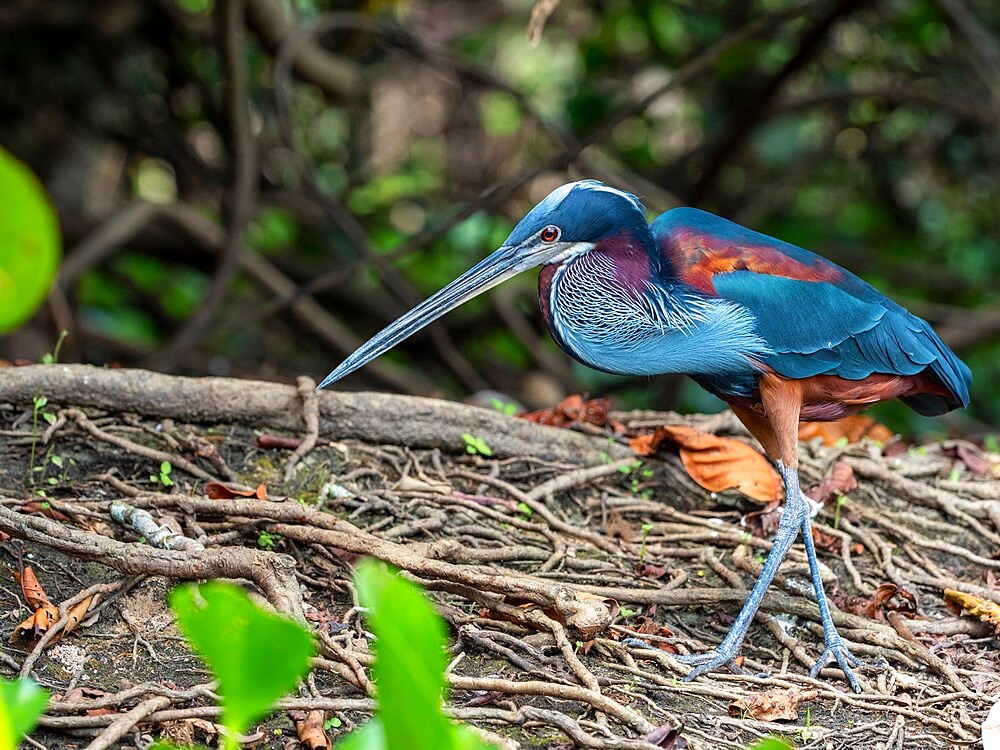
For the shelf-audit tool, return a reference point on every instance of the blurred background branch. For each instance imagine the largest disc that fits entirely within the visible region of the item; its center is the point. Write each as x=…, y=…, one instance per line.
x=252, y=187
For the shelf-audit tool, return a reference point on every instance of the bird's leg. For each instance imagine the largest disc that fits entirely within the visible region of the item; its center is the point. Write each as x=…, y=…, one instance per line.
x=834, y=646
x=794, y=515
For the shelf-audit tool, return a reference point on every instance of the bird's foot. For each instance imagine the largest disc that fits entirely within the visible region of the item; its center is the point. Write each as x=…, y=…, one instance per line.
x=837, y=650
x=706, y=662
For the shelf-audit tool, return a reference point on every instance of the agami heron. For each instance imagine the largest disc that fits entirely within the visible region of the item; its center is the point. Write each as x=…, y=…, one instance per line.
x=779, y=333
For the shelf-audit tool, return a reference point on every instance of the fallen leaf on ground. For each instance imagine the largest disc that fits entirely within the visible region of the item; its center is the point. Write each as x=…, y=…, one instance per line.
x=714, y=462
x=45, y=614
x=81, y=694
x=617, y=527
x=277, y=441
x=667, y=737
x=43, y=508
x=832, y=543
x=764, y=522
x=35, y=625
x=220, y=491
x=574, y=410
x=484, y=698
x=853, y=429
x=76, y=614
x=984, y=609
x=311, y=733
x=969, y=454
x=647, y=570
x=646, y=625
x=839, y=481
x=33, y=592
x=888, y=597
x=772, y=705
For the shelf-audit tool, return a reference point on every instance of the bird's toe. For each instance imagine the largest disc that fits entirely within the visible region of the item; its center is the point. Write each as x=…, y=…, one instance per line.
x=838, y=651
x=706, y=662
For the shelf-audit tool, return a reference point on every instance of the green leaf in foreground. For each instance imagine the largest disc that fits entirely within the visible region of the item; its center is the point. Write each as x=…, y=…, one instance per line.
x=409, y=669
x=29, y=243
x=770, y=743
x=21, y=703
x=256, y=656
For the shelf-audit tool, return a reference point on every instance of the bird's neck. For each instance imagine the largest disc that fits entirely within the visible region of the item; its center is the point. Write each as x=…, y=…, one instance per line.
x=613, y=310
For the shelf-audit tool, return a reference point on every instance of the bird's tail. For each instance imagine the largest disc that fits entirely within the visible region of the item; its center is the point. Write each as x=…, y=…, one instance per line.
x=953, y=374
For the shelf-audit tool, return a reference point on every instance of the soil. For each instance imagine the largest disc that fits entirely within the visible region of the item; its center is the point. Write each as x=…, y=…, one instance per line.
x=545, y=563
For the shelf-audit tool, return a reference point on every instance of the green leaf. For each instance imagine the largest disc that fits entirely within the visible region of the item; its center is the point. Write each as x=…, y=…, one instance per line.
x=770, y=743
x=370, y=737
x=30, y=243
x=409, y=660
x=21, y=703
x=256, y=656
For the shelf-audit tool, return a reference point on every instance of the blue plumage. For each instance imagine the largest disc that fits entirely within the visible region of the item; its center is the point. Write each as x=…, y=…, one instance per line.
x=818, y=318
x=779, y=332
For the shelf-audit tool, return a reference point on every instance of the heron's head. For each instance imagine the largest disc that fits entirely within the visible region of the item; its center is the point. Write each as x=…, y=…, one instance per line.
x=570, y=221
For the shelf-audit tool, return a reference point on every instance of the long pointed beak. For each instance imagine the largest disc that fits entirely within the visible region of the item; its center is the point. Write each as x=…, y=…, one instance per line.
x=495, y=268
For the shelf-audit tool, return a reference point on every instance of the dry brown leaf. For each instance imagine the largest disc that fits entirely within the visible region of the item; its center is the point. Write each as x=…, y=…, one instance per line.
x=984, y=609
x=34, y=625
x=617, y=527
x=973, y=458
x=311, y=733
x=573, y=409
x=33, y=592
x=43, y=508
x=888, y=597
x=76, y=614
x=220, y=491
x=81, y=694
x=716, y=463
x=854, y=429
x=667, y=737
x=271, y=442
x=648, y=570
x=838, y=482
x=772, y=705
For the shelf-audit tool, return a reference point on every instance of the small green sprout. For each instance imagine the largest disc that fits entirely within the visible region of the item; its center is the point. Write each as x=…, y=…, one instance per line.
x=646, y=528
x=267, y=541
x=476, y=445
x=525, y=510
x=164, y=476
x=39, y=402
x=50, y=358
x=509, y=409
x=839, y=503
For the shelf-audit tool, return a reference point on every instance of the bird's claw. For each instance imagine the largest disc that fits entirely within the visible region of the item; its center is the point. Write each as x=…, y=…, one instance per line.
x=837, y=650
x=706, y=662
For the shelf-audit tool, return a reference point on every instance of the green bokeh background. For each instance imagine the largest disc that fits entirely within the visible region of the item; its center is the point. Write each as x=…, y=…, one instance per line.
x=866, y=131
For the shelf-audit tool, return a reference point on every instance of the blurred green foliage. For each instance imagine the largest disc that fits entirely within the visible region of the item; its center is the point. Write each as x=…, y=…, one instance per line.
x=30, y=244
x=873, y=141
x=256, y=656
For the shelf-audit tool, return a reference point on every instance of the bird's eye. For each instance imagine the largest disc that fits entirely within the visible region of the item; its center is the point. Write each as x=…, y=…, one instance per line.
x=550, y=233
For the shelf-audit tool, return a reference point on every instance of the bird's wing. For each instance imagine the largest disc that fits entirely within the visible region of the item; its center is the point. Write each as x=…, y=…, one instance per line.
x=816, y=317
